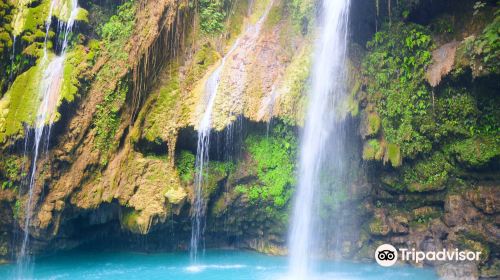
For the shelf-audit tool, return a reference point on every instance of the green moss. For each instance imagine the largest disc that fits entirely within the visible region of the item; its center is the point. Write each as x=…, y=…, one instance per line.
x=31, y=19
x=302, y=12
x=184, y=163
x=393, y=154
x=374, y=122
x=17, y=208
x=160, y=120
x=294, y=86
x=477, y=151
x=428, y=174
x=215, y=172
x=75, y=62
x=204, y=58
x=275, y=15
x=425, y=214
x=372, y=150
x=20, y=104
x=107, y=119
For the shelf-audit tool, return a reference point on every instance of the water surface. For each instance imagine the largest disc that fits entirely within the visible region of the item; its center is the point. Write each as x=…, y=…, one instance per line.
x=214, y=265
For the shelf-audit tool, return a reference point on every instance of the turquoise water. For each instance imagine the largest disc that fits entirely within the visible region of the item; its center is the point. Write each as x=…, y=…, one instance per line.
x=214, y=265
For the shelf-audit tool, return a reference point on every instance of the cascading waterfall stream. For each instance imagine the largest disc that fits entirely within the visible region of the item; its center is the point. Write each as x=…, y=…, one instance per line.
x=327, y=94
x=204, y=128
x=202, y=150
x=50, y=87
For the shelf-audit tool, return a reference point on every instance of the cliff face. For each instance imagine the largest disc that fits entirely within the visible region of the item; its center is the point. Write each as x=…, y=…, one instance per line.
x=422, y=120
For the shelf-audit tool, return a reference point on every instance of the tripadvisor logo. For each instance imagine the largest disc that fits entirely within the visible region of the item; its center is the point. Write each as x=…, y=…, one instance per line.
x=387, y=255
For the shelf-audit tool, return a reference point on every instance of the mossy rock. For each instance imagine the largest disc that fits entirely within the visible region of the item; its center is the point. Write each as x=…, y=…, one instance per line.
x=393, y=154
x=371, y=124
x=132, y=221
x=159, y=120
x=492, y=270
x=475, y=246
x=176, y=196
x=428, y=174
x=477, y=151
x=426, y=213
x=378, y=227
x=62, y=11
x=373, y=150
x=19, y=106
x=294, y=86
x=30, y=18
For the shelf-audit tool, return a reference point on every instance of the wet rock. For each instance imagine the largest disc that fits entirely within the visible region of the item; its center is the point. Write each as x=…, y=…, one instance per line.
x=458, y=271
x=459, y=211
x=176, y=196
x=485, y=198
x=491, y=271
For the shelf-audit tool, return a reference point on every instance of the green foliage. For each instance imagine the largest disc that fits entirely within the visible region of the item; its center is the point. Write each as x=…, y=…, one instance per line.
x=121, y=24
x=428, y=174
x=395, y=68
x=185, y=162
x=487, y=46
x=275, y=166
x=212, y=16
x=442, y=25
x=118, y=29
x=16, y=208
x=302, y=12
x=5, y=28
x=107, y=117
x=477, y=151
x=204, y=58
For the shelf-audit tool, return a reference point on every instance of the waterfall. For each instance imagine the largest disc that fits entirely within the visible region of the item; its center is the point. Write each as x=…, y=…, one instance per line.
x=202, y=150
x=211, y=87
x=50, y=86
x=321, y=131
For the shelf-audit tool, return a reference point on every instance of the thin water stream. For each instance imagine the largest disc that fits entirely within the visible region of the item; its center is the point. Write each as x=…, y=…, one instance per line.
x=204, y=129
x=50, y=87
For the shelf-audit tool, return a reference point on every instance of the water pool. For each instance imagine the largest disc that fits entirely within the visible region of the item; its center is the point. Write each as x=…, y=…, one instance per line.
x=214, y=265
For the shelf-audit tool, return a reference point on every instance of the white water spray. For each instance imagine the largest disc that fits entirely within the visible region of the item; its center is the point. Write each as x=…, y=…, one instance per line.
x=327, y=93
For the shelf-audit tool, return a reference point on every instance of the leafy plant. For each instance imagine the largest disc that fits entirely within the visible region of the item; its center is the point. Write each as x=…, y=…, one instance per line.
x=395, y=68
x=487, y=46
x=185, y=162
x=107, y=117
x=212, y=16
x=275, y=166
